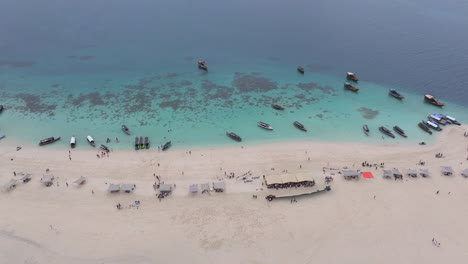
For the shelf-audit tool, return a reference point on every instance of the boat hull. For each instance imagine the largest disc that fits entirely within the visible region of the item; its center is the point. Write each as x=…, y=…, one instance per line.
x=49, y=141
x=386, y=132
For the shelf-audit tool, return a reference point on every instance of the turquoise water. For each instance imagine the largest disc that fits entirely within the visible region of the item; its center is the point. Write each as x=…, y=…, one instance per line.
x=85, y=69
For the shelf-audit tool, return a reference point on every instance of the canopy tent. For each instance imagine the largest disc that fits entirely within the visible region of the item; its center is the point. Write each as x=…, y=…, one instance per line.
x=465, y=172
x=80, y=180
x=193, y=188
x=396, y=172
x=205, y=187
x=424, y=172
x=348, y=174
x=219, y=186
x=113, y=188
x=165, y=188
x=10, y=185
x=47, y=179
x=447, y=170
x=288, y=178
x=273, y=179
x=367, y=175
x=412, y=173
x=304, y=177
x=26, y=178
x=127, y=187
x=387, y=173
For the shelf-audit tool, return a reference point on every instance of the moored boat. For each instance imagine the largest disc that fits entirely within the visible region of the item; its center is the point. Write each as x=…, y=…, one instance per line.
x=366, y=130
x=395, y=94
x=104, y=147
x=166, y=146
x=91, y=141
x=349, y=86
x=147, y=143
x=424, y=127
x=432, y=125
x=202, y=65
x=141, y=144
x=278, y=107
x=73, y=142
x=432, y=100
x=300, y=69
x=399, y=131
x=2, y=136
x=386, y=131
x=437, y=118
x=300, y=126
x=233, y=136
x=451, y=119
x=49, y=140
x=351, y=76
x=137, y=144
x=264, y=125
x=126, y=130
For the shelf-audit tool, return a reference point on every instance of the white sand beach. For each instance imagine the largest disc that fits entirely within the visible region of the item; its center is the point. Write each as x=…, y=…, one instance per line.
x=365, y=221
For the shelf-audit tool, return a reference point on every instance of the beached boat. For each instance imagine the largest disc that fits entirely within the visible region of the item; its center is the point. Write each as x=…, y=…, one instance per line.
x=395, y=94
x=91, y=141
x=126, y=130
x=399, y=131
x=277, y=107
x=137, y=144
x=432, y=100
x=366, y=130
x=351, y=76
x=73, y=142
x=349, y=86
x=2, y=136
x=450, y=119
x=142, y=144
x=147, y=143
x=300, y=69
x=104, y=147
x=49, y=140
x=202, y=65
x=386, y=131
x=437, y=118
x=166, y=146
x=264, y=125
x=424, y=127
x=432, y=124
x=233, y=136
x=300, y=126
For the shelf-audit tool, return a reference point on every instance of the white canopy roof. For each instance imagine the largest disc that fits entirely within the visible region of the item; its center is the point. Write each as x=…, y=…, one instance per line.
x=114, y=188
x=219, y=185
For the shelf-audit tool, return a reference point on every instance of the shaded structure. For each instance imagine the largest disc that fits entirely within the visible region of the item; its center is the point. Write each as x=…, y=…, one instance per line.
x=412, y=173
x=424, y=172
x=165, y=188
x=350, y=174
x=447, y=170
x=387, y=174
x=128, y=188
x=10, y=185
x=205, y=187
x=113, y=188
x=193, y=188
x=80, y=180
x=219, y=186
x=465, y=173
x=26, y=178
x=47, y=180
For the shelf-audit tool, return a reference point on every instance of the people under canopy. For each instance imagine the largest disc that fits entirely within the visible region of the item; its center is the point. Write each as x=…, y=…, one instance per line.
x=193, y=188
x=350, y=174
x=447, y=170
x=165, y=188
x=80, y=180
x=205, y=187
x=465, y=172
x=113, y=188
x=412, y=173
x=127, y=187
x=26, y=178
x=47, y=179
x=387, y=173
x=424, y=172
x=219, y=186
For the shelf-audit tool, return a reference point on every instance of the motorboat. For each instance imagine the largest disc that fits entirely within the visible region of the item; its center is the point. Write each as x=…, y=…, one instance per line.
x=137, y=144
x=300, y=69
x=166, y=146
x=233, y=136
x=432, y=125
x=277, y=107
x=147, y=144
x=351, y=76
x=202, y=65
x=300, y=126
x=91, y=141
x=424, y=127
x=451, y=119
x=366, y=130
x=437, y=118
x=104, y=147
x=141, y=145
x=349, y=86
x=264, y=125
x=49, y=140
x=432, y=100
x=395, y=94
x=399, y=131
x=2, y=136
x=386, y=131
x=126, y=130
x=73, y=142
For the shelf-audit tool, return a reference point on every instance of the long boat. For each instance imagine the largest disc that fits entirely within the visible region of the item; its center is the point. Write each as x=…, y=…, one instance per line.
x=142, y=145
x=49, y=140
x=147, y=143
x=104, y=147
x=137, y=144
x=300, y=126
x=126, y=130
x=432, y=100
x=438, y=118
x=424, y=127
x=350, y=87
x=73, y=142
x=432, y=125
x=300, y=69
x=352, y=77
x=399, y=131
x=277, y=107
x=451, y=119
x=264, y=125
x=202, y=65
x=91, y=141
x=366, y=130
x=271, y=197
x=386, y=131
x=233, y=136
x=166, y=146
x=395, y=94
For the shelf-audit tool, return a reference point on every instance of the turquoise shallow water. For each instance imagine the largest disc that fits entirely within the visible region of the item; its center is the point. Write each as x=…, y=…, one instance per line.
x=86, y=69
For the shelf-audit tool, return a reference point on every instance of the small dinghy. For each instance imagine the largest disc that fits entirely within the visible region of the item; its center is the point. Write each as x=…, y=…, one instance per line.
x=366, y=130
x=91, y=141
x=73, y=142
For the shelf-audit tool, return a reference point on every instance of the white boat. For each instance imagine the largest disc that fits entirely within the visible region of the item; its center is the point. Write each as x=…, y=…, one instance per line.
x=91, y=141
x=453, y=120
x=73, y=142
x=264, y=125
x=2, y=136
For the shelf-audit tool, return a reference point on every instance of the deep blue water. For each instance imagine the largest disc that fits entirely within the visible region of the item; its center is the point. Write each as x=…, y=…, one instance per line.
x=71, y=67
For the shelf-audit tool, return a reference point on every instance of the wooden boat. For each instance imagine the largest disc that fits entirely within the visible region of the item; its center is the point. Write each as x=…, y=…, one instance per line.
x=91, y=141
x=233, y=136
x=104, y=147
x=264, y=125
x=399, y=131
x=166, y=146
x=137, y=143
x=450, y=119
x=49, y=140
x=125, y=129
x=142, y=145
x=202, y=65
x=432, y=100
x=300, y=69
x=386, y=131
x=73, y=142
x=432, y=125
x=300, y=126
x=277, y=107
x=1, y=108
x=438, y=119
x=424, y=127
x=366, y=130
x=351, y=76
x=147, y=144
x=395, y=94
x=349, y=86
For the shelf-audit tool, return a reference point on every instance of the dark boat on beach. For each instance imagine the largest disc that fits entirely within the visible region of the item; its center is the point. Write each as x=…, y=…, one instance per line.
x=351, y=76
x=277, y=107
x=48, y=141
x=233, y=136
x=104, y=147
x=395, y=94
x=349, y=86
x=366, y=130
x=424, y=127
x=386, y=131
x=166, y=146
x=147, y=143
x=264, y=125
x=300, y=126
x=202, y=65
x=300, y=69
x=432, y=100
x=91, y=141
x=399, y=131
x=141, y=145
x=126, y=130
x=137, y=143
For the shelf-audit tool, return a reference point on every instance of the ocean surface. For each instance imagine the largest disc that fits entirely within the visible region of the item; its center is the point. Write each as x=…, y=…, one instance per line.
x=87, y=67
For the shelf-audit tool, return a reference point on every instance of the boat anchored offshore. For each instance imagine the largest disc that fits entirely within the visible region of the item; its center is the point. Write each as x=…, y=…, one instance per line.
x=366, y=130
x=386, y=131
x=349, y=86
x=395, y=94
x=351, y=76
x=264, y=125
x=399, y=131
x=277, y=107
x=166, y=146
x=126, y=130
x=202, y=65
x=300, y=126
x=424, y=127
x=49, y=140
x=73, y=142
x=300, y=69
x=432, y=100
x=91, y=141
x=233, y=136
